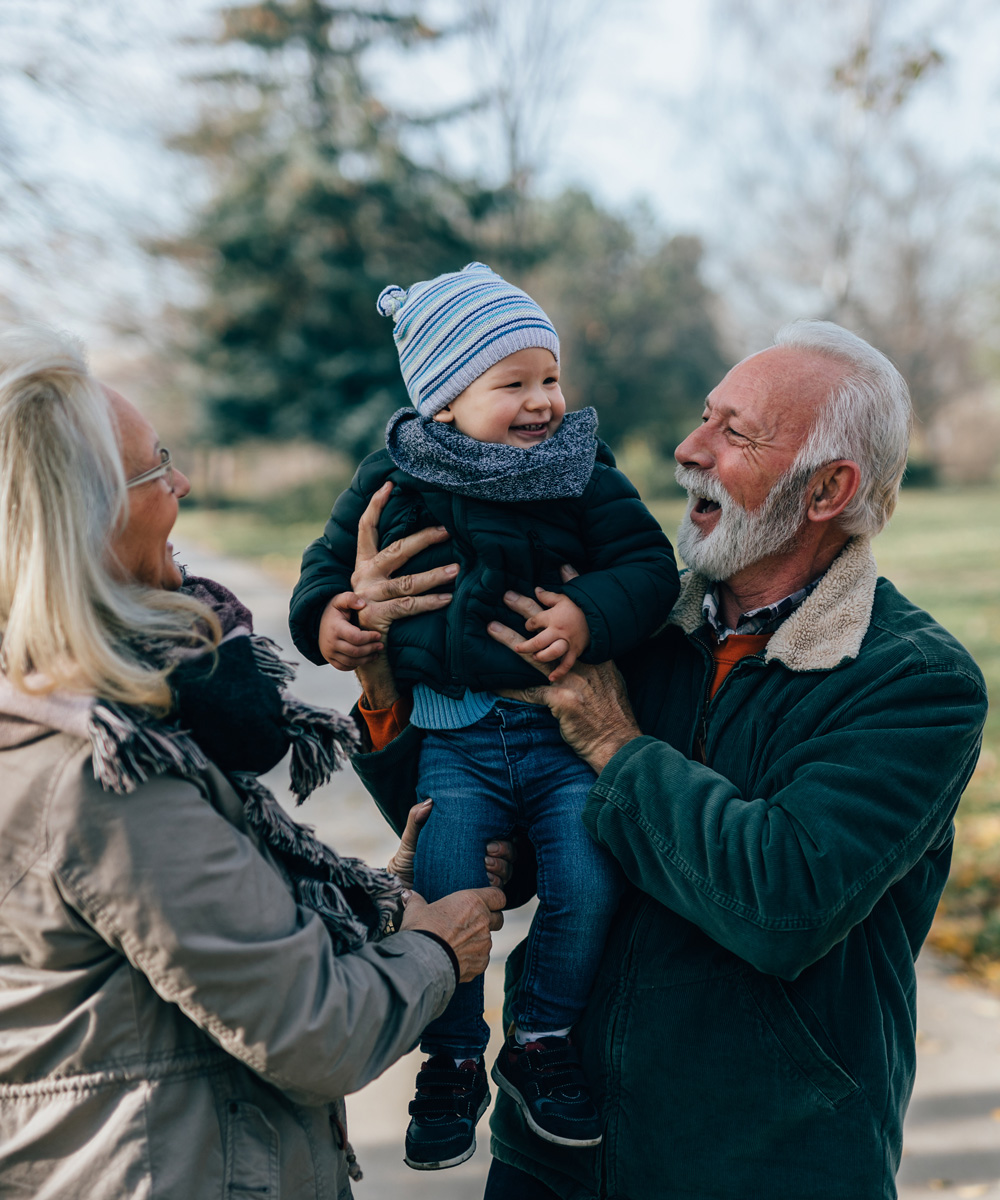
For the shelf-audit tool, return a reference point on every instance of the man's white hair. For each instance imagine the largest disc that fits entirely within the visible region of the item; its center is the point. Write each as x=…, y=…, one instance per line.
x=867, y=419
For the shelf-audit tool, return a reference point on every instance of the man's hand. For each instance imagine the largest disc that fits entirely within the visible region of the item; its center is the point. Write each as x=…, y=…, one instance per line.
x=499, y=855
x=590, y=703
x=465, y=920
x=563, y=633
x=354, y=624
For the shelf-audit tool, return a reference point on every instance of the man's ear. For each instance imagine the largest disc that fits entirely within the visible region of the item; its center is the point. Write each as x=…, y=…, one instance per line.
x=832, y=488
x=444, y=414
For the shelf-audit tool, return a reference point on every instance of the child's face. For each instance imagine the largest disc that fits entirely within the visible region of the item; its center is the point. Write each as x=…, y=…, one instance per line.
x=517, y=402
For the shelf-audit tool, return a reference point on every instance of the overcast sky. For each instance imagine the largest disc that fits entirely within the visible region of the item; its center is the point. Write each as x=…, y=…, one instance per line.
x=646, y=113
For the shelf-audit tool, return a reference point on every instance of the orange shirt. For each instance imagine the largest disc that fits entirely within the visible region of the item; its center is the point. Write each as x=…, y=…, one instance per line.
x=386, y=723
x=728, y=653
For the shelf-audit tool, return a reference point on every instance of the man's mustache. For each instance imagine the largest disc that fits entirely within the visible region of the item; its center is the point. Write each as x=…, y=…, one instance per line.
x=703, y=485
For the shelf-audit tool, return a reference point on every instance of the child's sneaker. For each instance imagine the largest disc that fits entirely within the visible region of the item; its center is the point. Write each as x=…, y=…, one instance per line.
x=546, y=1081
x=443, y=1114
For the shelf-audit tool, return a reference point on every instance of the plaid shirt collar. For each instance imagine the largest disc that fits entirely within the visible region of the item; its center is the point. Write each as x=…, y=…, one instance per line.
x=760, y=620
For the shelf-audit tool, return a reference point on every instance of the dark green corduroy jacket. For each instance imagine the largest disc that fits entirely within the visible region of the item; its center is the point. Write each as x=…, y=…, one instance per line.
x=751, y=1032
x=626, y=565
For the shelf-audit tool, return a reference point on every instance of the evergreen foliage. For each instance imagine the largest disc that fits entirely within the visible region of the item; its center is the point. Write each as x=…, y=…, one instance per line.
x=316, y=208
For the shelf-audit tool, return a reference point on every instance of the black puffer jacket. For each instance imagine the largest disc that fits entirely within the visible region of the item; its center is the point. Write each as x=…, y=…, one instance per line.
x=627, y=586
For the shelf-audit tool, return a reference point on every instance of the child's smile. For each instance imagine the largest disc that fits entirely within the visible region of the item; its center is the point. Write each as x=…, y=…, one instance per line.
x=517, y=402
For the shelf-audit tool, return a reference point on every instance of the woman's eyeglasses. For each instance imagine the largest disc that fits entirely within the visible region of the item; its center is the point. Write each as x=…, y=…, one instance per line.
x=164, y=469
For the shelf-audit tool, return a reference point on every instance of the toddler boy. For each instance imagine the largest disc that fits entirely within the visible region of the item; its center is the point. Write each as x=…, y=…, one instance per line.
x=489, y=452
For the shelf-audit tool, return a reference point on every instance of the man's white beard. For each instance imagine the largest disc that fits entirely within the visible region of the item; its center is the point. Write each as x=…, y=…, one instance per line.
x=740, y=538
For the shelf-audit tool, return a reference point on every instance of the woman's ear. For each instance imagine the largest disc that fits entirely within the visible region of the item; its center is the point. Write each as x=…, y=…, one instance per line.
x=444, y=414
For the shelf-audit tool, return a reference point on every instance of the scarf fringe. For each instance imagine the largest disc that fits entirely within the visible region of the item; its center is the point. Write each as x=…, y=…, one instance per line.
x=128, y=748
x=268, y=660
x=322, y=742
x=297, y=845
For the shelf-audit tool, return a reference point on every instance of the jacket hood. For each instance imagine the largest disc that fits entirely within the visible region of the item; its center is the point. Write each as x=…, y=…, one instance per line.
x=825, y=630
x=26, y=716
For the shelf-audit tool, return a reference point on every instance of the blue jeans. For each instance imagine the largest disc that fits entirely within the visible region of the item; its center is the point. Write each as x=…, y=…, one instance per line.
x=512, y=769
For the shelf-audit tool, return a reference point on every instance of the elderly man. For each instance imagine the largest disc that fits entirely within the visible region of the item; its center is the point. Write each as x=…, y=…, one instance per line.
x=778, y=786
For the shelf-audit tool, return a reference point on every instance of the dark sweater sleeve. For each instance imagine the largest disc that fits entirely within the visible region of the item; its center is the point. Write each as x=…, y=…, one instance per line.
x=328, y=562
x=631, y=582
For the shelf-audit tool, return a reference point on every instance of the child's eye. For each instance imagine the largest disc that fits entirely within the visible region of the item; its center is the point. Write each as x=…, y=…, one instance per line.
x=551, y=379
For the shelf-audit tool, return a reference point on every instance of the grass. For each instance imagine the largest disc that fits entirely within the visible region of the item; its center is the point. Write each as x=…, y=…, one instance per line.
x=942, y=550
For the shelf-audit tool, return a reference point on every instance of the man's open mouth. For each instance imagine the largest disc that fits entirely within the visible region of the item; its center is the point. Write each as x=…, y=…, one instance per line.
x=705, y=505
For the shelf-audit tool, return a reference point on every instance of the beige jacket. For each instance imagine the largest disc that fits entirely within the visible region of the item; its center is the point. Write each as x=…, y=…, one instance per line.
x=172, y=1025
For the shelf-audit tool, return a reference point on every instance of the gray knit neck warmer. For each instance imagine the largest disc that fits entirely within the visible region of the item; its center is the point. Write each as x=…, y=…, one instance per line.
x=434, y=452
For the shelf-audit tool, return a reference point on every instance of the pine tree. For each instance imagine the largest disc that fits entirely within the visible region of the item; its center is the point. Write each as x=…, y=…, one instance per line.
x=316, y=208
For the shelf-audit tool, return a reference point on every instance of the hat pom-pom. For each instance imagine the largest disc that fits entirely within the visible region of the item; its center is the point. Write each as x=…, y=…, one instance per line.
x=477, y=266
x=390, y=300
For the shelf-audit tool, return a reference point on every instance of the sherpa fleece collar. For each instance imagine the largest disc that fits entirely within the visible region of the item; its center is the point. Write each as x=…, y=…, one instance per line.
x=825, y=630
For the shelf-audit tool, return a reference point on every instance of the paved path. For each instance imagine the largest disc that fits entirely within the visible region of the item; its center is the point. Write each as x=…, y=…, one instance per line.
x=953, y=1126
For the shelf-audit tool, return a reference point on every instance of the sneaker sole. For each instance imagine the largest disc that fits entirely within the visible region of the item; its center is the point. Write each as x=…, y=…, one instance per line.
x=444, y=1163
x=505, y=1086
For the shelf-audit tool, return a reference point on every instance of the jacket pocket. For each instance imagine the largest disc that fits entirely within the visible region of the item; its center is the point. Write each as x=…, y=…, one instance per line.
x=825, y=1074
x=252, y=1149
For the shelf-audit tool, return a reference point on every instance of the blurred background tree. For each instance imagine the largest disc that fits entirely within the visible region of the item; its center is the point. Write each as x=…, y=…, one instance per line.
x=316, y=207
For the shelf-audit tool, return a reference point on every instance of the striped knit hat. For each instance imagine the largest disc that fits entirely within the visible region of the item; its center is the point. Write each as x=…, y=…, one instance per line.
x=451, y=329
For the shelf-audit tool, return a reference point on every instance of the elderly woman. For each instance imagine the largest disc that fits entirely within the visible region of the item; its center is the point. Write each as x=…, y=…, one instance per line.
x=189, y=981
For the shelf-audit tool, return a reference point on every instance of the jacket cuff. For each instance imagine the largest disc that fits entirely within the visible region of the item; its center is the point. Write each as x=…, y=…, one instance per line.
x=435, y=937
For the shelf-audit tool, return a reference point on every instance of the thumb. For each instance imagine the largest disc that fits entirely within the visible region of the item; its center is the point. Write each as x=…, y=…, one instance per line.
x=413, y=901
x=348, y=601
x=493, y=898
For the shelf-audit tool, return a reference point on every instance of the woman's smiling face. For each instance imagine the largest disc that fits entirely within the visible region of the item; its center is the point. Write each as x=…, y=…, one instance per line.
x=140, y=548
x=517, y=402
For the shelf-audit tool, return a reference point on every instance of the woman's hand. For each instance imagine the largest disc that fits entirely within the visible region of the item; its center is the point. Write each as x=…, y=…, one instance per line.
x=590, y=702
x=354, y=624
x=465, y=920
x=499, y=859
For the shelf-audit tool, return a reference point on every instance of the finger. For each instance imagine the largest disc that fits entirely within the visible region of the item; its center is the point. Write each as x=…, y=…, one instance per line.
x=414, y=585
x=524, y=606
x=349, y=636
x=568, y=572
x=368, y=525
x=546, y=638
x=494, y=900
x=392, y=557
x=564, y=667
x=357, y=658
x=508, y=637
x=502, y=849
x=409, y=606
x=496, y=918
x=412, y=900
x=551, y=653
x=495, y=880
x=548, y=598
x=417, y=815
x=348, y=601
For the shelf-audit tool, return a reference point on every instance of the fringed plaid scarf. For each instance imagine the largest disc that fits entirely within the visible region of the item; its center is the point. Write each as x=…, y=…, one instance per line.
x=356, y=902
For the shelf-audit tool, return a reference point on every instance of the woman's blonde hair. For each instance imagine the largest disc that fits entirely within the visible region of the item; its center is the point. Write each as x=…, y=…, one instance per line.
x=65, y=620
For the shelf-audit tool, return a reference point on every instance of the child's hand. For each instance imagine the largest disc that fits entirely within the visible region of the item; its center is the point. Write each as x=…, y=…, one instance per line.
x=341, y=642
x=564, y=633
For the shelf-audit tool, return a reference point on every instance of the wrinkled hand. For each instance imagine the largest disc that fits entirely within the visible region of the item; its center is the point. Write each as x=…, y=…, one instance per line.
x=564, y=632
x=499, y=855
x=590, y=702
x=377, y=599
x=465, y=920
